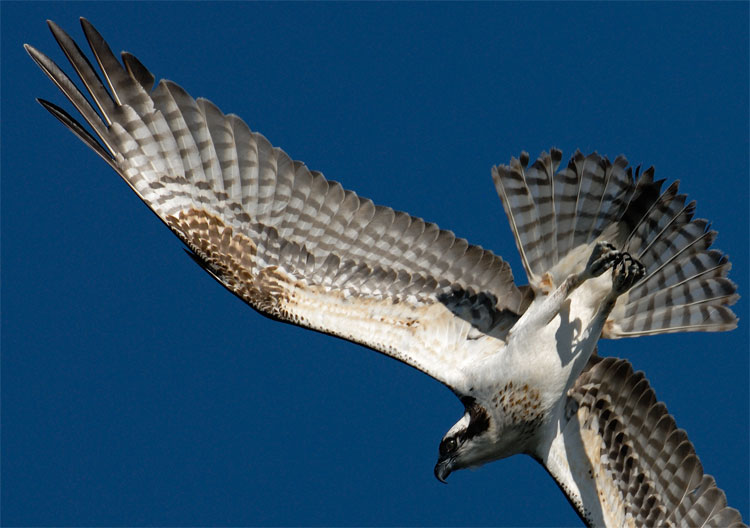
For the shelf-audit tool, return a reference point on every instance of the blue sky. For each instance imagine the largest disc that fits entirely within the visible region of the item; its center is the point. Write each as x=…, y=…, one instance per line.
x=136, y=391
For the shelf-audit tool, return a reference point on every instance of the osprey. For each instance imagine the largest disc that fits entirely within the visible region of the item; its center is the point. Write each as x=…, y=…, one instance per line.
x=606, y=252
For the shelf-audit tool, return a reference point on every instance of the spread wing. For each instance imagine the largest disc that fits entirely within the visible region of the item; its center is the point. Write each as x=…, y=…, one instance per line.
x=621, y=460
x=293, y=245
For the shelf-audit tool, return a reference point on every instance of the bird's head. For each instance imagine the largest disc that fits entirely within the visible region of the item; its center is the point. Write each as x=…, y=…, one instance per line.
x=469, y=443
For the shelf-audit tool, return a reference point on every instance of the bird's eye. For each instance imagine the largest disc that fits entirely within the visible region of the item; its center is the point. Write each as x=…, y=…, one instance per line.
x=448, y=445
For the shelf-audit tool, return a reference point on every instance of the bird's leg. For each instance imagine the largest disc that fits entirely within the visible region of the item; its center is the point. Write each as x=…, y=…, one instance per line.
x=604, y=256
x=625, y=273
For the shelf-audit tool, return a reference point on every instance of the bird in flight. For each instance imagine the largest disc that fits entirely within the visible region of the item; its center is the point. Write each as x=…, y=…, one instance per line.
x=607, y=253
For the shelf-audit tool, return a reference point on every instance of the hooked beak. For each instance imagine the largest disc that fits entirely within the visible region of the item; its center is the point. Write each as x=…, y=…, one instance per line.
x=442, y=470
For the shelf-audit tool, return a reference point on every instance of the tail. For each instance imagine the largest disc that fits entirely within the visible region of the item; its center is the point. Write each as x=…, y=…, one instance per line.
x=557, y=217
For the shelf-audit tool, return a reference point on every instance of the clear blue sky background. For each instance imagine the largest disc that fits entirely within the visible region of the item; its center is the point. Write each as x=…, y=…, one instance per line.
x=136, y=391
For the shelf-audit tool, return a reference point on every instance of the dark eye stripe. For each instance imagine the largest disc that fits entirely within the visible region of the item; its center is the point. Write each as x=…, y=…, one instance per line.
x=448, y=445
x=479, y=420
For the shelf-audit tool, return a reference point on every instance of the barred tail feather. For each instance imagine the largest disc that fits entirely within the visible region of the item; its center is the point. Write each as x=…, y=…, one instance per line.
x=686, y=288
x=556, y=219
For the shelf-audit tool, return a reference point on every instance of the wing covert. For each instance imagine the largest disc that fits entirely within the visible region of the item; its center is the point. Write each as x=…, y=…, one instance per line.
x=292, y=244
x=621, y=460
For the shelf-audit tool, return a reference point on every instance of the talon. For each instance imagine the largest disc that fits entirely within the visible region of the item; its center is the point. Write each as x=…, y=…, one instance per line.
x=603, y=257
x=627, y=272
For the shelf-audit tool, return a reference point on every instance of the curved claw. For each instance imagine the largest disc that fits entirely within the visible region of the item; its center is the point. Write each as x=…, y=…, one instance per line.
x=603, y=257
x=626, y=273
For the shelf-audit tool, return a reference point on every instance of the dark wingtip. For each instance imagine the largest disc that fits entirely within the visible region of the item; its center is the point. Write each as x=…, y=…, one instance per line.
x=52, y=107
x=138, y=71
x=33, y=53
x=89, y=29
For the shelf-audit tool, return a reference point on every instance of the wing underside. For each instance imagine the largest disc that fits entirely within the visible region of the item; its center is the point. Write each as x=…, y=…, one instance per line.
x=621, y=460
x=292, y=244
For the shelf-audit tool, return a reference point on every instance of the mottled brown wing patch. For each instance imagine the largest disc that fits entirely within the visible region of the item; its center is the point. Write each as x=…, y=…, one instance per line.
x=416, y=329
x=229, y=257
x=291, y=243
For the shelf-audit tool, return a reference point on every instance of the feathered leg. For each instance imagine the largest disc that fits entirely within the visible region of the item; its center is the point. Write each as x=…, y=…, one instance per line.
x=627, y=271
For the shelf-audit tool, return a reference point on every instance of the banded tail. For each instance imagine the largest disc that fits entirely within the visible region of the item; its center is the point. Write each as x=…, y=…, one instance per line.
x=557, y=217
